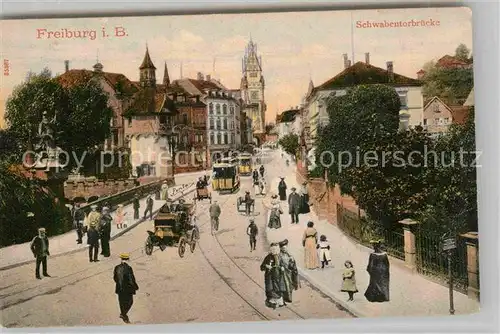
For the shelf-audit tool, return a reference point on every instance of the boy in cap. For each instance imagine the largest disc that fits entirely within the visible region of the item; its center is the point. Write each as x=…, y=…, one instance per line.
x=94, y=217
x=252, y=232
x=40, y=248
x=126, y=286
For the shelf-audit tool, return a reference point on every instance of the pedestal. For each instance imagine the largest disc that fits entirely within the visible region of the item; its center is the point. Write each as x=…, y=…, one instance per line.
x=472, y=264
x=409, y=243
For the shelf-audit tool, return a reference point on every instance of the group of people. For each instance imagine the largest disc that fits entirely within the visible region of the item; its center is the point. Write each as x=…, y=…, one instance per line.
x=98, y=227
x=259, y=183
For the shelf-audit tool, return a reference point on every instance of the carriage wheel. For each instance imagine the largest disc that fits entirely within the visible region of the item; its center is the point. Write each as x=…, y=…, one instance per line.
x=148, y=247
x=182, y=246
x=193, y=242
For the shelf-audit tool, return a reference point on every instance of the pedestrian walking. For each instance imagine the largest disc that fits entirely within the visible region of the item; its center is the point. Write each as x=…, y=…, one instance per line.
x=272, y=277
x=78, y=219
x=282, y=189
x=349, y=280
x=248, y=203
x=255, y=176
x=252, y=232
x=125, y=287
x=309, y=241
x=304, y=199
x=289, y=272
x=120, y=217
x=378, y=268
x=164, y=191
x=294, y=206
x=93, y=242
x=261, y=170
x=137, y=206
x=256, y=187
x=94, y=217
x=105, y=231
x=215, y=212
x=275, y=212
x=324, y=251
x=149, y=208
x=40, y=248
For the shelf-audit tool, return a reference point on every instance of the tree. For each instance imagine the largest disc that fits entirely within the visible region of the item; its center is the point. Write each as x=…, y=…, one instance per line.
x=462, y=52
x=83, y=115
x=290, y=144
x=452, y=85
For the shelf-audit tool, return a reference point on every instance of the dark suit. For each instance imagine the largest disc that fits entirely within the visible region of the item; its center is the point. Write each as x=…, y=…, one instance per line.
x=105, y=231
x=294, y=207
x=149, y=208
x=125, y=288
x=41, y=256
x=93, y=242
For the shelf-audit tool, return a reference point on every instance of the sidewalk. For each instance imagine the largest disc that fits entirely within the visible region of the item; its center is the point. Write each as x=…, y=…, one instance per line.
x=410, y=294
x=17, y=255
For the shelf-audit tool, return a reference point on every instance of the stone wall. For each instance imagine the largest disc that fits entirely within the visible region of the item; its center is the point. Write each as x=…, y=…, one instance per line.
x=324, y=199
x=88, y=187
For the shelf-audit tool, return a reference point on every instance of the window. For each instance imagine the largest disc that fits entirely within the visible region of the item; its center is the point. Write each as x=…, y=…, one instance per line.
x=253, y=75
x=436, y=121
x=218, y=124
x=224, y=109
x=446, y=120
x=211, y=138
x=231, y=110
x=218, y=138
x=211, y=123
x=232, y=125
x=225, y=138
x=211, y=108
x=115, y=138
x=184, y=119
x=225, y=123
x=232, y=138
x=254, y=95
x=217, y=109
x=403, y=98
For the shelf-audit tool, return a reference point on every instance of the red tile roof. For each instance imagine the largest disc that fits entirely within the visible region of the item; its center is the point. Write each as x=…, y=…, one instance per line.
x=459, y=114
x=363, y=74
x=448, y=61
x=117, y=80
x=201, y=85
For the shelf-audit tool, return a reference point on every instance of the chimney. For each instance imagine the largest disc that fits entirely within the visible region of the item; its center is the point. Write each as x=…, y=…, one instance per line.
x=208, y=77
x=367, y=58
x=346, y=62
x=390, y=71
x=200, y=76
x=349, y=63
x=66, y=65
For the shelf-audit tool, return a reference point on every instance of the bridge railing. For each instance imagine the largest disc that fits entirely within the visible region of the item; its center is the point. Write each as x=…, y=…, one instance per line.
x=126, y=197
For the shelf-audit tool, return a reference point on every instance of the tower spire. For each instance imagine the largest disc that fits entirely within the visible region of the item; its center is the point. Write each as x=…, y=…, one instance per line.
x=166, y=78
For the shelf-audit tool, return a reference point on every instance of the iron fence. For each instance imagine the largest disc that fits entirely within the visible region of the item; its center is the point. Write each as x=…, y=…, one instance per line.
x=358, y=228
x=433, y=262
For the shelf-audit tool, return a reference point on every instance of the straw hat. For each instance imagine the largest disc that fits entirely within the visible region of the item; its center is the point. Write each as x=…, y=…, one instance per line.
x=125, y=256
x=41, y=229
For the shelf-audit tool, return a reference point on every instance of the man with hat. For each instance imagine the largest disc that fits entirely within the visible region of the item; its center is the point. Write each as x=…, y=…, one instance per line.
x=149, y=208
x=78, y=219
x=294, y=206
x=93, y=242
x=40, y=248
x=137, y=206
x=248, y=202
x=93, y=218
x=252, y=232
x=105, y=231
x=215, y=212
x=126, y=286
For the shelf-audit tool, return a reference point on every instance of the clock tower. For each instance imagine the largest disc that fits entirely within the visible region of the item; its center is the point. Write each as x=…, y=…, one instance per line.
x=252, y=90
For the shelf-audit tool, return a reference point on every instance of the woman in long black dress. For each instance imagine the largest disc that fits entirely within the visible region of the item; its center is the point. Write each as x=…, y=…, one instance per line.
x=378, y=268
x=282, y=189
x=304, y=199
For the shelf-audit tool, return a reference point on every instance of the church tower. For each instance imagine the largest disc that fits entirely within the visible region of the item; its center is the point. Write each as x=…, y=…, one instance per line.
x=147, y=71
x=252, y=88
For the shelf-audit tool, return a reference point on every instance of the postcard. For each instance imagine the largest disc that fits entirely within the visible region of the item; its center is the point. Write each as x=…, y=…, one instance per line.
x=238, y=167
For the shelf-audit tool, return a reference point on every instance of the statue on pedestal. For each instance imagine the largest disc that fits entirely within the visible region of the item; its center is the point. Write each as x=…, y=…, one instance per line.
x=46, y=145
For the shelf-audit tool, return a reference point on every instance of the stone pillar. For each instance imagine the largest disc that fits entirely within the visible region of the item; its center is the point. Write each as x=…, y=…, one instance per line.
x=410, y=245
x=472, y=264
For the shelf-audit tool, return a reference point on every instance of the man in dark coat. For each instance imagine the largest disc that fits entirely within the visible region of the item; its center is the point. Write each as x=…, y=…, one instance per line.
x=261, y=170
x=378, y=268
x=255, y=175
x=126, y=286
x=248, y=202
x=252, y=232
x=282, y=189
x=137, y=205
x=149, y=207
x=78, y=218
x=200, y=184
x=290, y=274
x=93, y=242
x=40, y=248
x=105, y=231
x=273, y=277
x=294, y=206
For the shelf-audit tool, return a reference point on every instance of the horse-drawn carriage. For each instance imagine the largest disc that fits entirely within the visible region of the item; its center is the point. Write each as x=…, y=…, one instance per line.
x=174, y=226
x=203, y=193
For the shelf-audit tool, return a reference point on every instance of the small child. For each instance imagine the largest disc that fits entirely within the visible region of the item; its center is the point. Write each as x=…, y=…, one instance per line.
x=324, y=251
x=349, y=280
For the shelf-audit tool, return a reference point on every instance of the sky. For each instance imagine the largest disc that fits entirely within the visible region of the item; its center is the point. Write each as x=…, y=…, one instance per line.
x=296, y=47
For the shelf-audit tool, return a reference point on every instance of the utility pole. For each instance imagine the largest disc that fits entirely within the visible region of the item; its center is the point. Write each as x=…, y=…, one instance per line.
x=449, y=245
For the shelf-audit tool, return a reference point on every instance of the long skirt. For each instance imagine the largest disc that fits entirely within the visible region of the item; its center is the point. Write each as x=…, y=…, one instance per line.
x=311, y=260
x=274, y=220
x=282, y=193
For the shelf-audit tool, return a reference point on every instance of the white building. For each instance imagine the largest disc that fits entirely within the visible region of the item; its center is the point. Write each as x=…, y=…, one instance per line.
x=289, y=122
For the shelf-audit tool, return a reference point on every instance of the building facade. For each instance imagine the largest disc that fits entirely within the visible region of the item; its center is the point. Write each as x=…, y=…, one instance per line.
x=252, y=90
x=437, y=117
